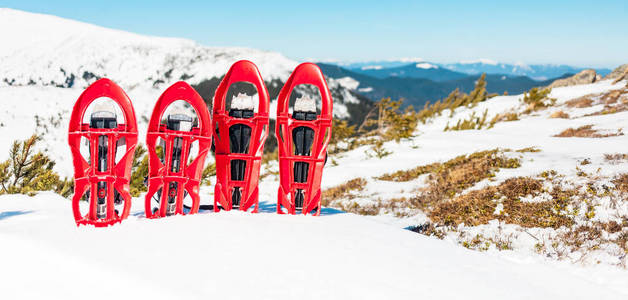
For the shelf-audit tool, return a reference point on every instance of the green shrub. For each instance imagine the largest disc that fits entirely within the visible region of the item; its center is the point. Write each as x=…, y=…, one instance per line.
x=472, y=123
x=27, y=171
x=537, y=99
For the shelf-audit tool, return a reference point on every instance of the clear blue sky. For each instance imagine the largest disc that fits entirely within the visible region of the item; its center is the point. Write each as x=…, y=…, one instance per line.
x=583, y=33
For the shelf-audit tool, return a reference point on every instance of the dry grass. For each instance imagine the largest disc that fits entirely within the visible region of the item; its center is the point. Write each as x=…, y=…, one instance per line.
x=615, y=157
x=343, y=191
x=396, y=206
x=478, y=207
x=529, y=150
x=587, y=238
x=504, y=117
x=581, y=102
x=585, y=131
x=407, y=175
x=559, y=115
x=460, y=173
x=491, y=159
x=621, y=183
x=613, y=101
x=445, y=181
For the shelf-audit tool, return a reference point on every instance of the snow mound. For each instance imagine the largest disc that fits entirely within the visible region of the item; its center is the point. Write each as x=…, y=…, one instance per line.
x=234, y=255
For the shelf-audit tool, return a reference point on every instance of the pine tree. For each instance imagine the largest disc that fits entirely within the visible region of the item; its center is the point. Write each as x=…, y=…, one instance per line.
x=27, y=171
x=479, y=93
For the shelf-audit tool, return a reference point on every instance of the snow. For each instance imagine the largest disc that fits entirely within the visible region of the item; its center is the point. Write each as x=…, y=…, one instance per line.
x=234, y=255
x=411, y=59
x=348, y=82
x=375, y=67
x=305, y=104
x=426, y=66
x=485, y=61
x=242, y=101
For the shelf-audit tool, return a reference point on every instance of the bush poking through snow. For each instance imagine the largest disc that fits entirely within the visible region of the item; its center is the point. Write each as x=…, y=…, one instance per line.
x=390, y=122
x=504, y=117
x=581, y=102
x=462, y=169
x=454, y=100
x=621, y=183
x=342, y=191
x=27, y=171
x=474, y=122
x=479, y=207
x=585, y=131
x=616, y=157
x=537, y=99
x=559, y=115
x=529, y=150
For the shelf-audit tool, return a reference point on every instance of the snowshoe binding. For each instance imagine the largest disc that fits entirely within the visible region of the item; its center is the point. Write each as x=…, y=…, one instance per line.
x=238, y=155
x=174, y=176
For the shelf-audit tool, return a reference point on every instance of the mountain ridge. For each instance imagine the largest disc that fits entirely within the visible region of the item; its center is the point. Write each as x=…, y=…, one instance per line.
x=540, y=72
x=417, y=91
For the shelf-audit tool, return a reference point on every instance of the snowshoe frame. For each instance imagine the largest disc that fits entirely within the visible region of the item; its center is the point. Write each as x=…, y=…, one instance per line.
x=305, y=73
x=188, y=176
x=86, y=174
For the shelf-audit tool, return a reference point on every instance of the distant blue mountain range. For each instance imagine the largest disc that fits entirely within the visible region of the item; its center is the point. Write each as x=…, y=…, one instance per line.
x=421, y=82
x=452, y=71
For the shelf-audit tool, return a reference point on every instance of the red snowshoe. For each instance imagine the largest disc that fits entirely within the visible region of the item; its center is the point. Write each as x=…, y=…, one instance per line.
x=302, y=140
x=173, y=176
x=239, y=139
x=103, y=181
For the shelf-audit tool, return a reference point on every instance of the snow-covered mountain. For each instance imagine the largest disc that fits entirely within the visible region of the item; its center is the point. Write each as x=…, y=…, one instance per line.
x=47, y=50
x=534, y=71
x=424, y=70
x=44, y=50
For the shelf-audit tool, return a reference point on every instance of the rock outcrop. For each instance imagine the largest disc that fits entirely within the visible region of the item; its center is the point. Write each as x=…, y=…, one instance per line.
x=584, y=77
x=620, y=73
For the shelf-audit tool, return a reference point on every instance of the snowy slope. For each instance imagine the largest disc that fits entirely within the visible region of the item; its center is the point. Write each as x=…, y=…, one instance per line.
x=47, y=50
x=263, y=256
x=579, y=161
x=47, y=61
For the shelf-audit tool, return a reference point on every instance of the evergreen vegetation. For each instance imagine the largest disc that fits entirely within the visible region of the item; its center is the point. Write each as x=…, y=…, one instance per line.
x=28, y=171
